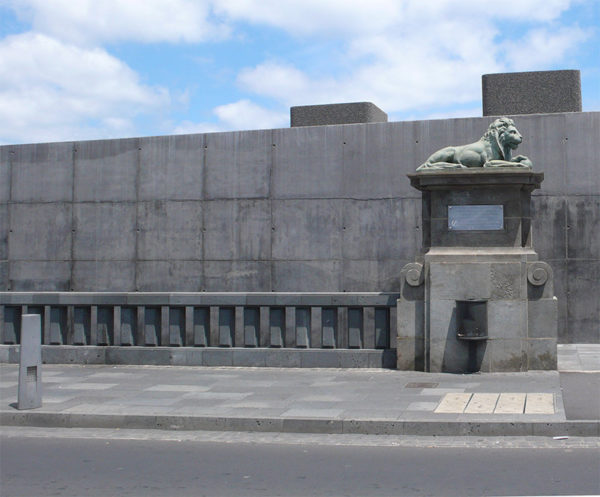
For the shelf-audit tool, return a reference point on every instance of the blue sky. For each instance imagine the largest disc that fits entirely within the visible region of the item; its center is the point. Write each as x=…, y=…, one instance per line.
x=90, y=69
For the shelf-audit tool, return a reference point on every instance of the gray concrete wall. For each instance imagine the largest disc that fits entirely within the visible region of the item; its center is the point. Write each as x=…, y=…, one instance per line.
x=326, y=208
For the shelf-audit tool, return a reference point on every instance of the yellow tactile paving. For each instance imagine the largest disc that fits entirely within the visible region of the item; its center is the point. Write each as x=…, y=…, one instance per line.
x=510, y=403
x=453, y=403
x=539, y=403
x=482, y=403
x=496, y=403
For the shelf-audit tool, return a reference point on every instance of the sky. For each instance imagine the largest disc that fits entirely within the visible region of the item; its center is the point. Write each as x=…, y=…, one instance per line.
x=94, y=69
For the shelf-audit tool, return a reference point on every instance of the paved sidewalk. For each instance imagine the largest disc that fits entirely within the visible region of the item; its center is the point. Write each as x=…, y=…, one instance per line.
x=576, y=357
x=365, y=401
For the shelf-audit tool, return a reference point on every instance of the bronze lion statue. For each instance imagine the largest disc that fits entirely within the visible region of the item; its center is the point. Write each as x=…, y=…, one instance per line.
x=494, y=149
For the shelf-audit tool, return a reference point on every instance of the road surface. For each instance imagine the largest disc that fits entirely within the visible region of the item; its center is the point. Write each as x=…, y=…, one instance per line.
x=62, y=462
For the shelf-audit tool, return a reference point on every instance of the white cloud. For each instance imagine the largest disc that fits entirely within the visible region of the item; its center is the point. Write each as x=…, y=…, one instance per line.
x=93, y=21
x=406, y=75
x=407, y=56
x=51, y=90
x=89, y=21
x=248, y=115
x=434, y=57
x=239, y=115
x=451, y=114
x=358, y=17
x=282, y=82
x=310, y=16
x=469, y=11
x=190, y=127
x=541, y=47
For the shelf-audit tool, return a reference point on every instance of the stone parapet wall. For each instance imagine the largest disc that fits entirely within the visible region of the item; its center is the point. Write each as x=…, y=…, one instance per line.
x=321, y=208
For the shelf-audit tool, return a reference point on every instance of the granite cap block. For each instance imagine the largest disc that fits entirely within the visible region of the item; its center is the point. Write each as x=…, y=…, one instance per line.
x=346, y=113
x=537, y=92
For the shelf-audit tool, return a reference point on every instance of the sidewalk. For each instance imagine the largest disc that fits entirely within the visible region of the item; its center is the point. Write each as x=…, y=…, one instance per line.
x=366, y=401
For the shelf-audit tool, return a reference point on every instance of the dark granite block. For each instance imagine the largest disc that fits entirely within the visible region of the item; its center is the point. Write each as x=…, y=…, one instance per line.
x=348, y=113
x=538, y=92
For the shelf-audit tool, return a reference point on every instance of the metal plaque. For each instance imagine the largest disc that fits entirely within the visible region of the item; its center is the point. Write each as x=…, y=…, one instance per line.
x=475, y=217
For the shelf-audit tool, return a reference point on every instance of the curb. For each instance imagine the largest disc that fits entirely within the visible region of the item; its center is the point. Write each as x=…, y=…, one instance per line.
x=583, y=428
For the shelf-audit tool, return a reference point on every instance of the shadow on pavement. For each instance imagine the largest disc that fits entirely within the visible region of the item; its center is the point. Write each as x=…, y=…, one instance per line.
x=581, y=395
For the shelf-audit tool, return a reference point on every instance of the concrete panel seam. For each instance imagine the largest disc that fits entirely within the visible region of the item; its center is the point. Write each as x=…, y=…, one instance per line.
x=72, y=265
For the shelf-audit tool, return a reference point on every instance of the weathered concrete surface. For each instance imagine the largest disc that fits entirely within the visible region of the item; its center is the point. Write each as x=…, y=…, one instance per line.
x=106, y=170
x=43, y=173
x=173, y=167
x=322, y=208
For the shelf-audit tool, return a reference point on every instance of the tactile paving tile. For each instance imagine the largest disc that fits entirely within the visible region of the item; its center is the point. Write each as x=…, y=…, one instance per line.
x=453, y=403
x=482, y=403
x=496, y=403
x=510, y=403
x=539, y=403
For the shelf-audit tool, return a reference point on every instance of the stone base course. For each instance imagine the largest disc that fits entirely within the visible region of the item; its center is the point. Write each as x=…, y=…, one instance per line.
x=195, y=356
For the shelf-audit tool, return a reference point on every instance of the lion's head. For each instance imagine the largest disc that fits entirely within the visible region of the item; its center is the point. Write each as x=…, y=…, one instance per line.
x=504, y=132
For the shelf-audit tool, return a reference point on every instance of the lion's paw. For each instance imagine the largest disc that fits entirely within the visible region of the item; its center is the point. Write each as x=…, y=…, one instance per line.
x=523, y=160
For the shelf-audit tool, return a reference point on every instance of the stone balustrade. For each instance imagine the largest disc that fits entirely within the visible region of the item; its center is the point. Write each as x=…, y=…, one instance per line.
x=278, y=329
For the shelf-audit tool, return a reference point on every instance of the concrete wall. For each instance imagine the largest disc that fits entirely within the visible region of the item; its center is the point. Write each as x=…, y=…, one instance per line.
x=326, y=208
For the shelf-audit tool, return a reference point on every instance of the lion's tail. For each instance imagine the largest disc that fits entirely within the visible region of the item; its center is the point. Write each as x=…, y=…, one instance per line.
x=426, y=165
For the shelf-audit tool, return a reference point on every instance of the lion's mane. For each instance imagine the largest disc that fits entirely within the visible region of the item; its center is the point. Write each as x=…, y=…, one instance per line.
x=495, y=135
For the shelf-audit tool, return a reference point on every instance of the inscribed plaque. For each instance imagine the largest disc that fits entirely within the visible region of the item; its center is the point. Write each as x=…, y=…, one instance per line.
x=475, y=217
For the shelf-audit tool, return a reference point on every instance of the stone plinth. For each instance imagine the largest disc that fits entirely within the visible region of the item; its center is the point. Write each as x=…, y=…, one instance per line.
x=477, y=247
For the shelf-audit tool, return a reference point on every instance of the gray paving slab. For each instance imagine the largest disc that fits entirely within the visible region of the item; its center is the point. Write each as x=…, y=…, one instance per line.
x=422, y=406
x=284, y=399
x=578, y=357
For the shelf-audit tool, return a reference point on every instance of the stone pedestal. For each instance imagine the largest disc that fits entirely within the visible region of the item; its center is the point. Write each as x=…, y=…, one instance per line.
x=477, y=249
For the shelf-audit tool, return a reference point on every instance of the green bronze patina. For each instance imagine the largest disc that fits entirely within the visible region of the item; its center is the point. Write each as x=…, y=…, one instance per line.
x=494, y=149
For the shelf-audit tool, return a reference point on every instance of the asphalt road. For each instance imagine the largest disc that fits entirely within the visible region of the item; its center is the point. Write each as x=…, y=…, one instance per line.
x=46, y=465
